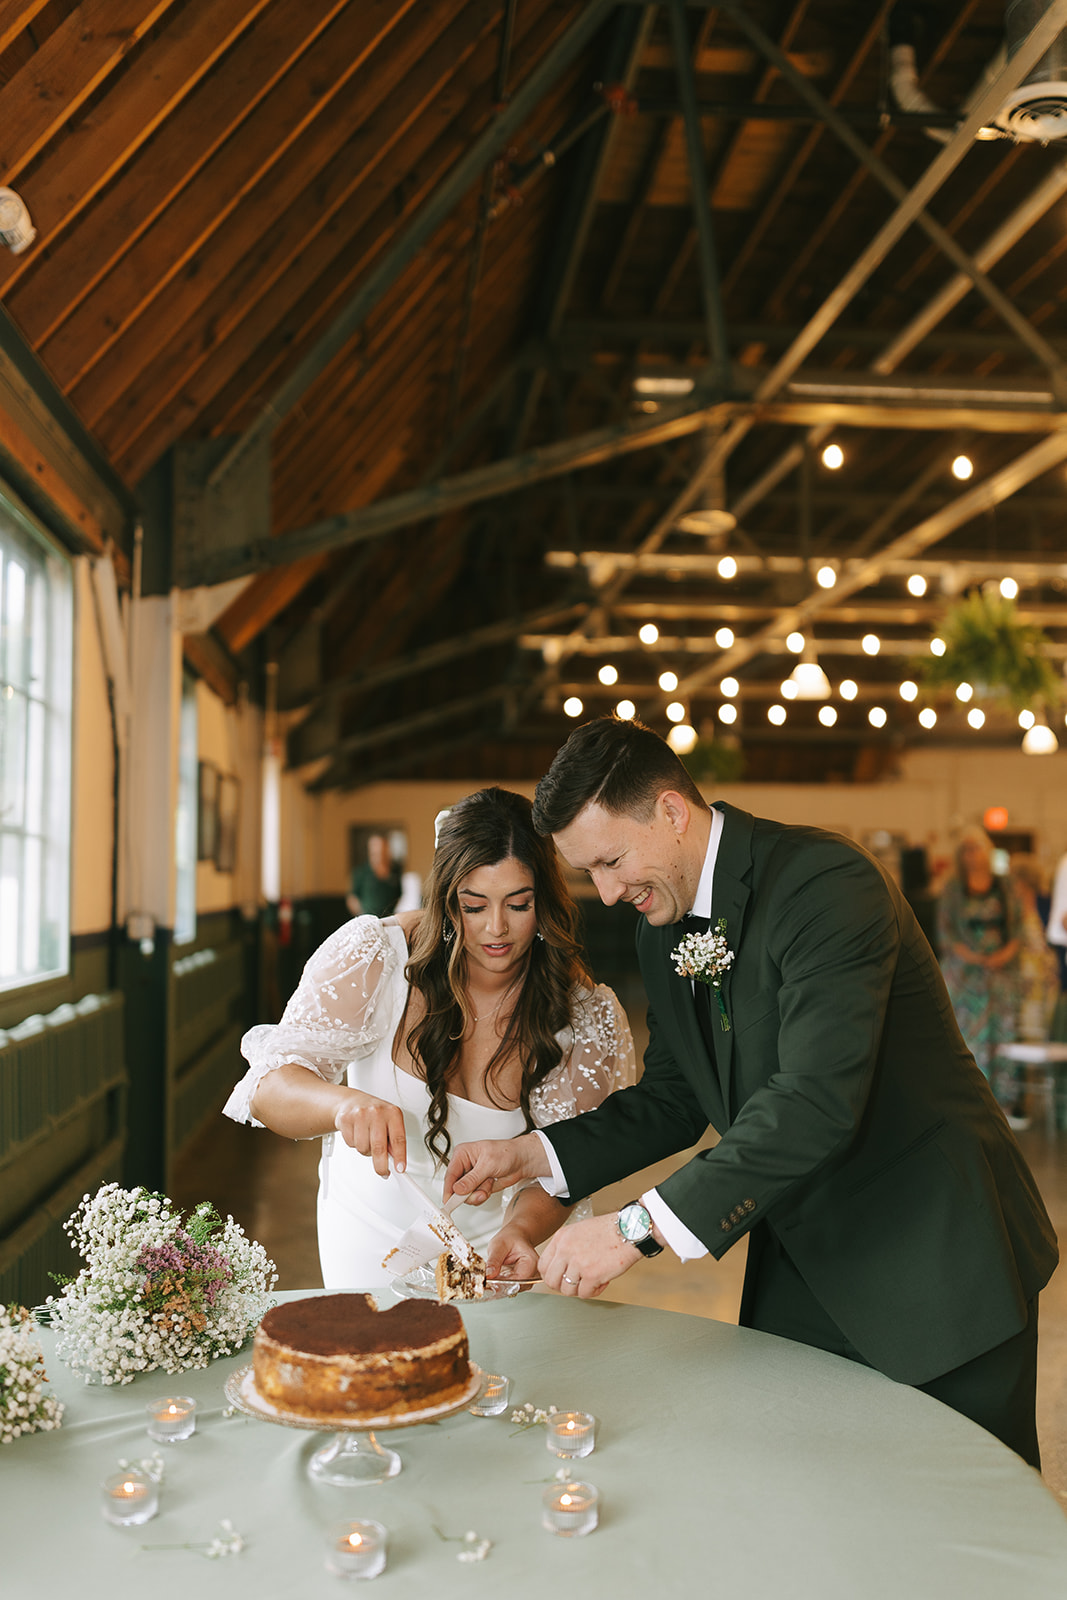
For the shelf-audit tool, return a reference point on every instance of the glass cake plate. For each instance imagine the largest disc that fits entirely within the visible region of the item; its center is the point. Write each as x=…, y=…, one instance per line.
x=353, y=1455
x=421, y=1284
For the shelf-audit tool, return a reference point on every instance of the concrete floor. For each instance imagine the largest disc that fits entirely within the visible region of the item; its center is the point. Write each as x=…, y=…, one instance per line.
x=269, y=1185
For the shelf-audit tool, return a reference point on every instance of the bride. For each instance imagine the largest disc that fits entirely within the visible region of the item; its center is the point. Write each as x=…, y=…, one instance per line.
x=474, y=1018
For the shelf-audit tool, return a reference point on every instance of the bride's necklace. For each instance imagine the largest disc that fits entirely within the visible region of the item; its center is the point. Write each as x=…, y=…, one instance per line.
x=487, y=1014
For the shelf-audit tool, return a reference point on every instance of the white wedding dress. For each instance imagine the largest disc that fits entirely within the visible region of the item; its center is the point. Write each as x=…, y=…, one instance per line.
x=340, y=1023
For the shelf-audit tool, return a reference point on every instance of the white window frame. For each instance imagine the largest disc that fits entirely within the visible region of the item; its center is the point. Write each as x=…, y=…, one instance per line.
x=36, y=725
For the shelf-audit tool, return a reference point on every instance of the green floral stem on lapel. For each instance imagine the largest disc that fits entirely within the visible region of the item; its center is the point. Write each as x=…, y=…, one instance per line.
x=720, y=929
x=706, y=957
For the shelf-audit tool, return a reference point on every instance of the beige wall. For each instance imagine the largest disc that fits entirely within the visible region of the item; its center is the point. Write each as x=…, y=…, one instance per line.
x=937, y=791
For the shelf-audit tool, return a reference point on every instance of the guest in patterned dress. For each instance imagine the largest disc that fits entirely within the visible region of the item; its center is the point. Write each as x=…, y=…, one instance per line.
x=1039, y=974
x=980, y=928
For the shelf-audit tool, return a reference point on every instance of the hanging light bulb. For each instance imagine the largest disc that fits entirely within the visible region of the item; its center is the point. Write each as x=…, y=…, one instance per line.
x=1009, y=588
x=877, y=717
x=833, y=457
x=848, y=689
x=724, y=638
x=795, y=642
x=776, y=714
x=649, y=633
x=788, y=689
x=827, y=716
x=573, y=707
x=676, y=711
x=1026, y=719
x=826, y=577
x=730, y=688
x=608, y=675
x=962, y=468
x=727, y=568
x=908, y=690
x=928, y=717
x=682, y=738
x=964, y=693
x=668, y=681
x=809, y=681
x=917, y=585
x=727, y=713
x=937, y=646
x=976, y=717
x=1040, y=740
x=626, y=710
x=871, y=644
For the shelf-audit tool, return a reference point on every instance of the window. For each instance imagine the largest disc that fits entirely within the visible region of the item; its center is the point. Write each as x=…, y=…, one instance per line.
x=36, y=626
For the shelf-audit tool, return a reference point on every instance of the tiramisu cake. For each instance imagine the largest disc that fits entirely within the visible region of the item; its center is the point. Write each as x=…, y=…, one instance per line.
x=459, y=1280
x=337, y=1355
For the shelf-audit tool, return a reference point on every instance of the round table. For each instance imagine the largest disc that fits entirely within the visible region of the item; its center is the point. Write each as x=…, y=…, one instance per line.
x=728, y=1462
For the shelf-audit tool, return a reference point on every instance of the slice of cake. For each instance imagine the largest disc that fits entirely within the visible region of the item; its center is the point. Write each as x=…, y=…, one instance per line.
x=337, y=1355
x=460, y=1280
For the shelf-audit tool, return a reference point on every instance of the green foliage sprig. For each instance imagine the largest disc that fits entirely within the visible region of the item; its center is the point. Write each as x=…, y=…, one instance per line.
x=987, y=646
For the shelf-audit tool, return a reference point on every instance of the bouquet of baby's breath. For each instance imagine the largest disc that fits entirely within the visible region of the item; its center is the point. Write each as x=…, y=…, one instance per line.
x=23, y=1406
x=157, y=1291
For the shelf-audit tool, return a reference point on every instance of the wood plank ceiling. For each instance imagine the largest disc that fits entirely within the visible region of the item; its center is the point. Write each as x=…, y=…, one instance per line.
x=215, y=182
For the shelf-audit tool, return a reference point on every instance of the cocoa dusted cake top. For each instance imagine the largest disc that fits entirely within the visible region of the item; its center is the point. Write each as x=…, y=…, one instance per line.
x=336, y=1324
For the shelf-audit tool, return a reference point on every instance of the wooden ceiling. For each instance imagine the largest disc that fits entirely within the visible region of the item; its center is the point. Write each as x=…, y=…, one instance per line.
x=407, y=258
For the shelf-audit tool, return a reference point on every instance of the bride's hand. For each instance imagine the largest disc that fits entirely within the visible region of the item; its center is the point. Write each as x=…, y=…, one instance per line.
x=374, y=1128
x=511, y=1254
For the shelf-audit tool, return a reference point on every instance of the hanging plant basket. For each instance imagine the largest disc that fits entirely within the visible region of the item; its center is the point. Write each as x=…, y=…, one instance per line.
x=1004, y=660
x=712, y=761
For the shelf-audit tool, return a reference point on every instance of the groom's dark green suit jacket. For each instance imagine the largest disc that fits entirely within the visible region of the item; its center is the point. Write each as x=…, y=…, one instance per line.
x=853, y=1119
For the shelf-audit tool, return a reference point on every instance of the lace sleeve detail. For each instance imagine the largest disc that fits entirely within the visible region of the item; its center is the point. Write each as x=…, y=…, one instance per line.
x=598, y=1058
x=338, y=1012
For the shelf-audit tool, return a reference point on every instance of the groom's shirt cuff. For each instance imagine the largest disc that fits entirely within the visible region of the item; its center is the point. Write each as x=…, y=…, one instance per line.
x=685, y=1244
x=556, y=1183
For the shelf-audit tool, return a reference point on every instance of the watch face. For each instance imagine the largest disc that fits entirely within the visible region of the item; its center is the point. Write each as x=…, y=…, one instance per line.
x=634, y=1223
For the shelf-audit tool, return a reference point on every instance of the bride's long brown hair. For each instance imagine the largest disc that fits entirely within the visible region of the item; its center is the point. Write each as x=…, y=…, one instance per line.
x=481, y=830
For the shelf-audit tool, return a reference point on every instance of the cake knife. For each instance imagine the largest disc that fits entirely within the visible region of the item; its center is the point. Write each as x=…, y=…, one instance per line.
x=433, y=1232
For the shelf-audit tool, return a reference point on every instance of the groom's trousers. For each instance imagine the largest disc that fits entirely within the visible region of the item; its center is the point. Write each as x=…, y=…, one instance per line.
x=997, y=1389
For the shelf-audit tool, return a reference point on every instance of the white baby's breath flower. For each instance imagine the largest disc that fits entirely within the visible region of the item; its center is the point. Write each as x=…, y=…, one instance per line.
x=24, y=1407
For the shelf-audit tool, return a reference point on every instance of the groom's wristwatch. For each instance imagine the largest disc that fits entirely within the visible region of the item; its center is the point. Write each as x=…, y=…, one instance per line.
x=635, y=1225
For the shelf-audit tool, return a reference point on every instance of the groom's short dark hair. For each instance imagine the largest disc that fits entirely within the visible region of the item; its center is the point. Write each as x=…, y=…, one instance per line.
x=623, y=766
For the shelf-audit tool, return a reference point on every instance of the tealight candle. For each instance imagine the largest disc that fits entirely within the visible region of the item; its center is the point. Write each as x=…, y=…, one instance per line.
x=570, y=1509
x=571, y=1433
x=493, y=1397
x=128, y=1497
x=171, y=1419
x=357, y=1550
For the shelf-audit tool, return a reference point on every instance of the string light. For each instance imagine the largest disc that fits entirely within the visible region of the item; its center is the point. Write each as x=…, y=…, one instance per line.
x=909, y=690
x=573, y=707
x=964, y=693
x=676, y=711
x=962, y=468
x=795, y=642
x=668, y=681
x=928, y=717
x=728, y=713
x=937, y=646
x=608, y=675
x=848, y=689
x=833, y=457
x=1040, y=740
x=871, y=644
x=827, y=716
x=826, y=577
x=727, y=568
x=626, y=710
x=877, y=717
x=976, y=717
x=1009, y=588
x=917, y=585
x=724, y=638
x=682, y=738
x=788, y=689
x=776, y=714
x=649, y=633
x=730, y=688
x=1026, y=719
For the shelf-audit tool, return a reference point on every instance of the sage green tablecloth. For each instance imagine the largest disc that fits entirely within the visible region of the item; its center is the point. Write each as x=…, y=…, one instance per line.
x=729, y=1463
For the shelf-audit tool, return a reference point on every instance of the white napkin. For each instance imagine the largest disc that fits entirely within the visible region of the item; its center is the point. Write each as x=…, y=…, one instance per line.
x=433, y=1232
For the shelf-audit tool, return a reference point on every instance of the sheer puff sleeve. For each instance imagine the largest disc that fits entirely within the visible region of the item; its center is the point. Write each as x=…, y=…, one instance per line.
x=339, y=1011
x=598, y=1058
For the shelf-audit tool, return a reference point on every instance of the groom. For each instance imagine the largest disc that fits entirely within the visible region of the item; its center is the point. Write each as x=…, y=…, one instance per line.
x=892, y=1218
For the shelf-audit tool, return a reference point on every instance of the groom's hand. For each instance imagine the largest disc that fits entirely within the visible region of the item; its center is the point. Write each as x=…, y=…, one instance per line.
x=475, y=1170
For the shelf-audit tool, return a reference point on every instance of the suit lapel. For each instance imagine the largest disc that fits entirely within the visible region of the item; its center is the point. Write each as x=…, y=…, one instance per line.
x=730, y=894
x=671, y=998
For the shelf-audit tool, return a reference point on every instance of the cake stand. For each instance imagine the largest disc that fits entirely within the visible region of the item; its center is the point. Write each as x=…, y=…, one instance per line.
x=353, y=1455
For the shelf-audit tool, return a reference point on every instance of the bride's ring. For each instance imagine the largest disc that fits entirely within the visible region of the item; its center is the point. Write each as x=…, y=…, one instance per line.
x=569, y=1280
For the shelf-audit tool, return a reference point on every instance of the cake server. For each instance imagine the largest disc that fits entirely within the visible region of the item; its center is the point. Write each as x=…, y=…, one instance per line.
x=433, y=1232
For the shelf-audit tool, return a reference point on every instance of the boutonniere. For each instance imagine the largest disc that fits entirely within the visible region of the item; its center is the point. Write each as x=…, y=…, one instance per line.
x=707, y=958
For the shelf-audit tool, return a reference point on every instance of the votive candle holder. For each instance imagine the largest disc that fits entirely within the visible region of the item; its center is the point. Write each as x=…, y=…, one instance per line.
x=492, y=1397
x=571, y=1433
x=357, y=1550
x=570, y=1510
x=171, y=1419
x=129, y=1497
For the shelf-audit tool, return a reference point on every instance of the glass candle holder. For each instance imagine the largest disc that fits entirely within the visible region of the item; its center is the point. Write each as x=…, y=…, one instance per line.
x=356, y=1550
x=128, y=1497
x=171, y=1419
x=493, y=1396
x=571, y=1433
x=570, y=1509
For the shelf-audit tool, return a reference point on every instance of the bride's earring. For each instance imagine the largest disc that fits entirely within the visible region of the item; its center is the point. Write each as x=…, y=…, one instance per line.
x=449, y=933
x=541, y=936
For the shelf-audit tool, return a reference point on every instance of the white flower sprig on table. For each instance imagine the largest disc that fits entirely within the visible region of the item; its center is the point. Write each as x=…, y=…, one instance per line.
x=24, y=1407
x=157, y=1291
x=152, y=1466
x=528, y=1416
x=707, y=958
x=227, y=1542
x=475, y=1548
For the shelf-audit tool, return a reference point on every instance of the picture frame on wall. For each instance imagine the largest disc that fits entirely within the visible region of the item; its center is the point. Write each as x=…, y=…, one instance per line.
x=207, y=810
x=229, y=814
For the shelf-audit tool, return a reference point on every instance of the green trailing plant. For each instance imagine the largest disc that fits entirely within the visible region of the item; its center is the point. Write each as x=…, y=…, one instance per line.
x=988, y=647
x=711, y=761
